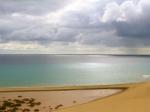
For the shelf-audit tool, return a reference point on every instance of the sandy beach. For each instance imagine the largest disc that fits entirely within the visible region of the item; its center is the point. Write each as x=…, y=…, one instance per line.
x=107, y=98
x=49, y=100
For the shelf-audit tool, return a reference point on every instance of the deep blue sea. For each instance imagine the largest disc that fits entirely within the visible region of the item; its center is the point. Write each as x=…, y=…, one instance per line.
x=56, y=70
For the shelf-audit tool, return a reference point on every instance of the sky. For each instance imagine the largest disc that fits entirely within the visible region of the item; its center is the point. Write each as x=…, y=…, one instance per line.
x=75, y=26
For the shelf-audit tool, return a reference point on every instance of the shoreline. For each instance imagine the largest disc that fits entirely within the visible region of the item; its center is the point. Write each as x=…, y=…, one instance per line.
x=65, y=87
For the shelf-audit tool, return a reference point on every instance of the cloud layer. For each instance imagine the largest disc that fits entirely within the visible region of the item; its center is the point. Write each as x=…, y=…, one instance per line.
x=74, y=24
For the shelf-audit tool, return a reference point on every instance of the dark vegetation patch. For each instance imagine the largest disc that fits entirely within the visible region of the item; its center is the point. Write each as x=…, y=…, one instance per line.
x=23, y=104
x=18, y=104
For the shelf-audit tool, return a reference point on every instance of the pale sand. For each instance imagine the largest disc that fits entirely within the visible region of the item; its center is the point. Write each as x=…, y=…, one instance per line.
x=135, y=99
x=52, y=98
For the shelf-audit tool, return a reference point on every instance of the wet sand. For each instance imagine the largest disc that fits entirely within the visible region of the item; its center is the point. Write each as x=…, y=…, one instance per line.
x=23, y=100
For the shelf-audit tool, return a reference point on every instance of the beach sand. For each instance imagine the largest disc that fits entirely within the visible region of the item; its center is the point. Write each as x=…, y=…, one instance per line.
x=135, y=99
x=49, y=100
x=106, y=98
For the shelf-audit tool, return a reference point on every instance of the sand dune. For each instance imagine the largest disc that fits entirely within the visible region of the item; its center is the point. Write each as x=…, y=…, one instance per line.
x=135, y=99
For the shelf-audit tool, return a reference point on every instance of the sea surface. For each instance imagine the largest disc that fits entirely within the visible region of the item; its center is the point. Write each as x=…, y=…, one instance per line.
x=57, y=70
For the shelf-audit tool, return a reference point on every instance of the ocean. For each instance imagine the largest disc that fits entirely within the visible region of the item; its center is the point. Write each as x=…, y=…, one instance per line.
x=26, y=70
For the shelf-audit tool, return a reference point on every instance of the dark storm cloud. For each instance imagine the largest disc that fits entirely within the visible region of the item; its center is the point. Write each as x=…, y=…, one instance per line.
x=137, y=25
x=130, y=20
x=133, y=30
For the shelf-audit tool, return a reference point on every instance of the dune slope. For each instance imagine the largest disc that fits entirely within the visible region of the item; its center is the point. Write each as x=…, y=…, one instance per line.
x=135, y=99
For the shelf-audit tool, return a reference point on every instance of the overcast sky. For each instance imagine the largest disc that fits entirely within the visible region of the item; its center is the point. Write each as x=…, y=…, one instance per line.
x=75, y=26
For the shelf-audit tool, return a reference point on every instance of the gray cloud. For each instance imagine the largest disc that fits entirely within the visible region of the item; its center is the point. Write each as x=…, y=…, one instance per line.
x=19, y=23
x=108, y=23
x=34, y=7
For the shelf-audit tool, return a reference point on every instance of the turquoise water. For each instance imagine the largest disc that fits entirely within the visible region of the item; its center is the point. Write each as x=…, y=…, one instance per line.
x=49, y=70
